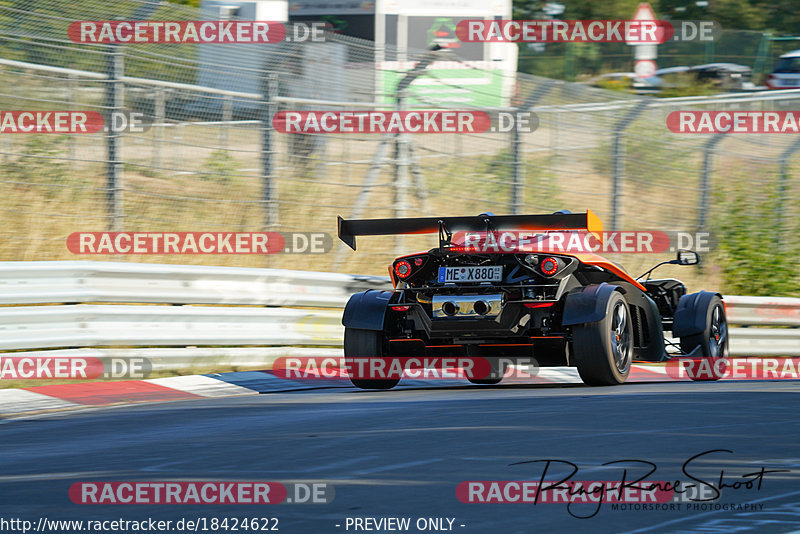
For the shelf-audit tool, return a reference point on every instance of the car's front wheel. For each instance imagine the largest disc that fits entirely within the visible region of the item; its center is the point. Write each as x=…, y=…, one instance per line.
x=360, y=343
x=604, y=349
x=712, y=341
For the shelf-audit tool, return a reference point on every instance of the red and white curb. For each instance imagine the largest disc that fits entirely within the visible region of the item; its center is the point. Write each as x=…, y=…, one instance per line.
x=17, y=402
x=85, y=394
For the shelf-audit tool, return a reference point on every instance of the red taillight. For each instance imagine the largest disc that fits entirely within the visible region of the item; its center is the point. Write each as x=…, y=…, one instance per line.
x=770, y=82
x=418, y=261
x=402, y=269
x=537, y=304
x=401, y=308
x=549, y=266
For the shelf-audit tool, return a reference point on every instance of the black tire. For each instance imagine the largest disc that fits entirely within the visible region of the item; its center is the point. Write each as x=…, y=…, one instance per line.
x=713, y=341
x=366, y=343
x=603, y=350
x=495, y=376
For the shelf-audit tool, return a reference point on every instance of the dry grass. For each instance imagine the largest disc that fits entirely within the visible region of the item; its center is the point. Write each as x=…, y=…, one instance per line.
x=173, y=181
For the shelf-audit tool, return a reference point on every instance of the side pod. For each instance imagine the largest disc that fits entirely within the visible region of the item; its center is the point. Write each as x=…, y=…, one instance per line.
x=366, y=310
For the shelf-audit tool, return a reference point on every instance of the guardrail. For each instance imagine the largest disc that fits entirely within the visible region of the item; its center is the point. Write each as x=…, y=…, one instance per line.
x=47, y=282
x=770, y=312
x=179, y=315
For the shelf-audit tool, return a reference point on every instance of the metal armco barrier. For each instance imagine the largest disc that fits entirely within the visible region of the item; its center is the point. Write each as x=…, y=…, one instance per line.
x=763, y=311
x=89, y=325
x=771, y=312
x=46, y=282
x=242, y=311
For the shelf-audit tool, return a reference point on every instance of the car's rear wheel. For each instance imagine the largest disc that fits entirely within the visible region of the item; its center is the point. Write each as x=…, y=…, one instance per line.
x=604, y=349
x=498, y=370
x=713, y=341
x=360, y=343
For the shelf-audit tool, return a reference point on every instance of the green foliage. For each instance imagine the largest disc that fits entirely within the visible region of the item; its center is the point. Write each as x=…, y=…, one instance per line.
x=41, y=164
x=618, y=84
x=685, y=84
x=498, y=165
x=757, y=255
x=609, y=10
x=642, y=153
x=780, y=16
x=744, y=22
x=190, y=3
x=219, y=167
x=34, y=26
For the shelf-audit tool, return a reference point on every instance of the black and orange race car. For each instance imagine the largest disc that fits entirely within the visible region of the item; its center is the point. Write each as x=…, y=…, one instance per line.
x=578, y=310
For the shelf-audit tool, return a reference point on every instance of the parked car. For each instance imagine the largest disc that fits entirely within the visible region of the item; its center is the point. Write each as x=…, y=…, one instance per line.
x=786, y=74
x=722, y=76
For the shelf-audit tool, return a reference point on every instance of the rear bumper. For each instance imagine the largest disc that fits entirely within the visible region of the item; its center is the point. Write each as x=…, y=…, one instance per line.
x=513, y=320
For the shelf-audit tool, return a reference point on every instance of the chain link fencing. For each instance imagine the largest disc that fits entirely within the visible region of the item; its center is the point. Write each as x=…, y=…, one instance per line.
x=211, y=160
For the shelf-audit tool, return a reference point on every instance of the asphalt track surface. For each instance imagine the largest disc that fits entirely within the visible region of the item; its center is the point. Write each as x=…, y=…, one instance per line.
x=401, y=453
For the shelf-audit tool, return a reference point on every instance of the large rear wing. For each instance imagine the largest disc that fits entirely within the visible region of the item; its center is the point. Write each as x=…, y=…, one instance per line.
x=348, y=230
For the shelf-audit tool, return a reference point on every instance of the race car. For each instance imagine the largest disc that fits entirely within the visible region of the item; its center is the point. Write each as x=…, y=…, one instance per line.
x=524, y=301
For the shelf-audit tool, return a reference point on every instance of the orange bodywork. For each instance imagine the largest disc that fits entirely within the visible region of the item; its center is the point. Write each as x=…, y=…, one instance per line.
x=610, y=266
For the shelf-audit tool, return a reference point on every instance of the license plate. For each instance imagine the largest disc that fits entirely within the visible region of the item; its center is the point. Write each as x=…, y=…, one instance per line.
x=492, y=273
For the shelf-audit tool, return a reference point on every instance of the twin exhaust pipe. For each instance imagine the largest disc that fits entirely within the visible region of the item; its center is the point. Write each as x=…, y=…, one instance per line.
x=467, y=305
x=481, y=307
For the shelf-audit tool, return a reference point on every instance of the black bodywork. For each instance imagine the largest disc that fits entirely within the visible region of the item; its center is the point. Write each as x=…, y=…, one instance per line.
x=538, y=310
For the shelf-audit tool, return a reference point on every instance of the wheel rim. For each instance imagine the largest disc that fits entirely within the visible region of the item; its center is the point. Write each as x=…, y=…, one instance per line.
x=620, y=337
x=718, y=333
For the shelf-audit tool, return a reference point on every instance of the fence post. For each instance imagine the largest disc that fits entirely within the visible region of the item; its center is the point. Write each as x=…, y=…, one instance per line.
x=401, y=178
x=762, y=54
x=783, y=178
x=227, y=116
x=402, y=150
x=72, y=88
x=518, y=166
x=618, y=164
x=114, y=168
x=158, y=130
x=709, y=51
x=569, y=62
x=267, y=151
x=705, y=182
x=518, y=172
